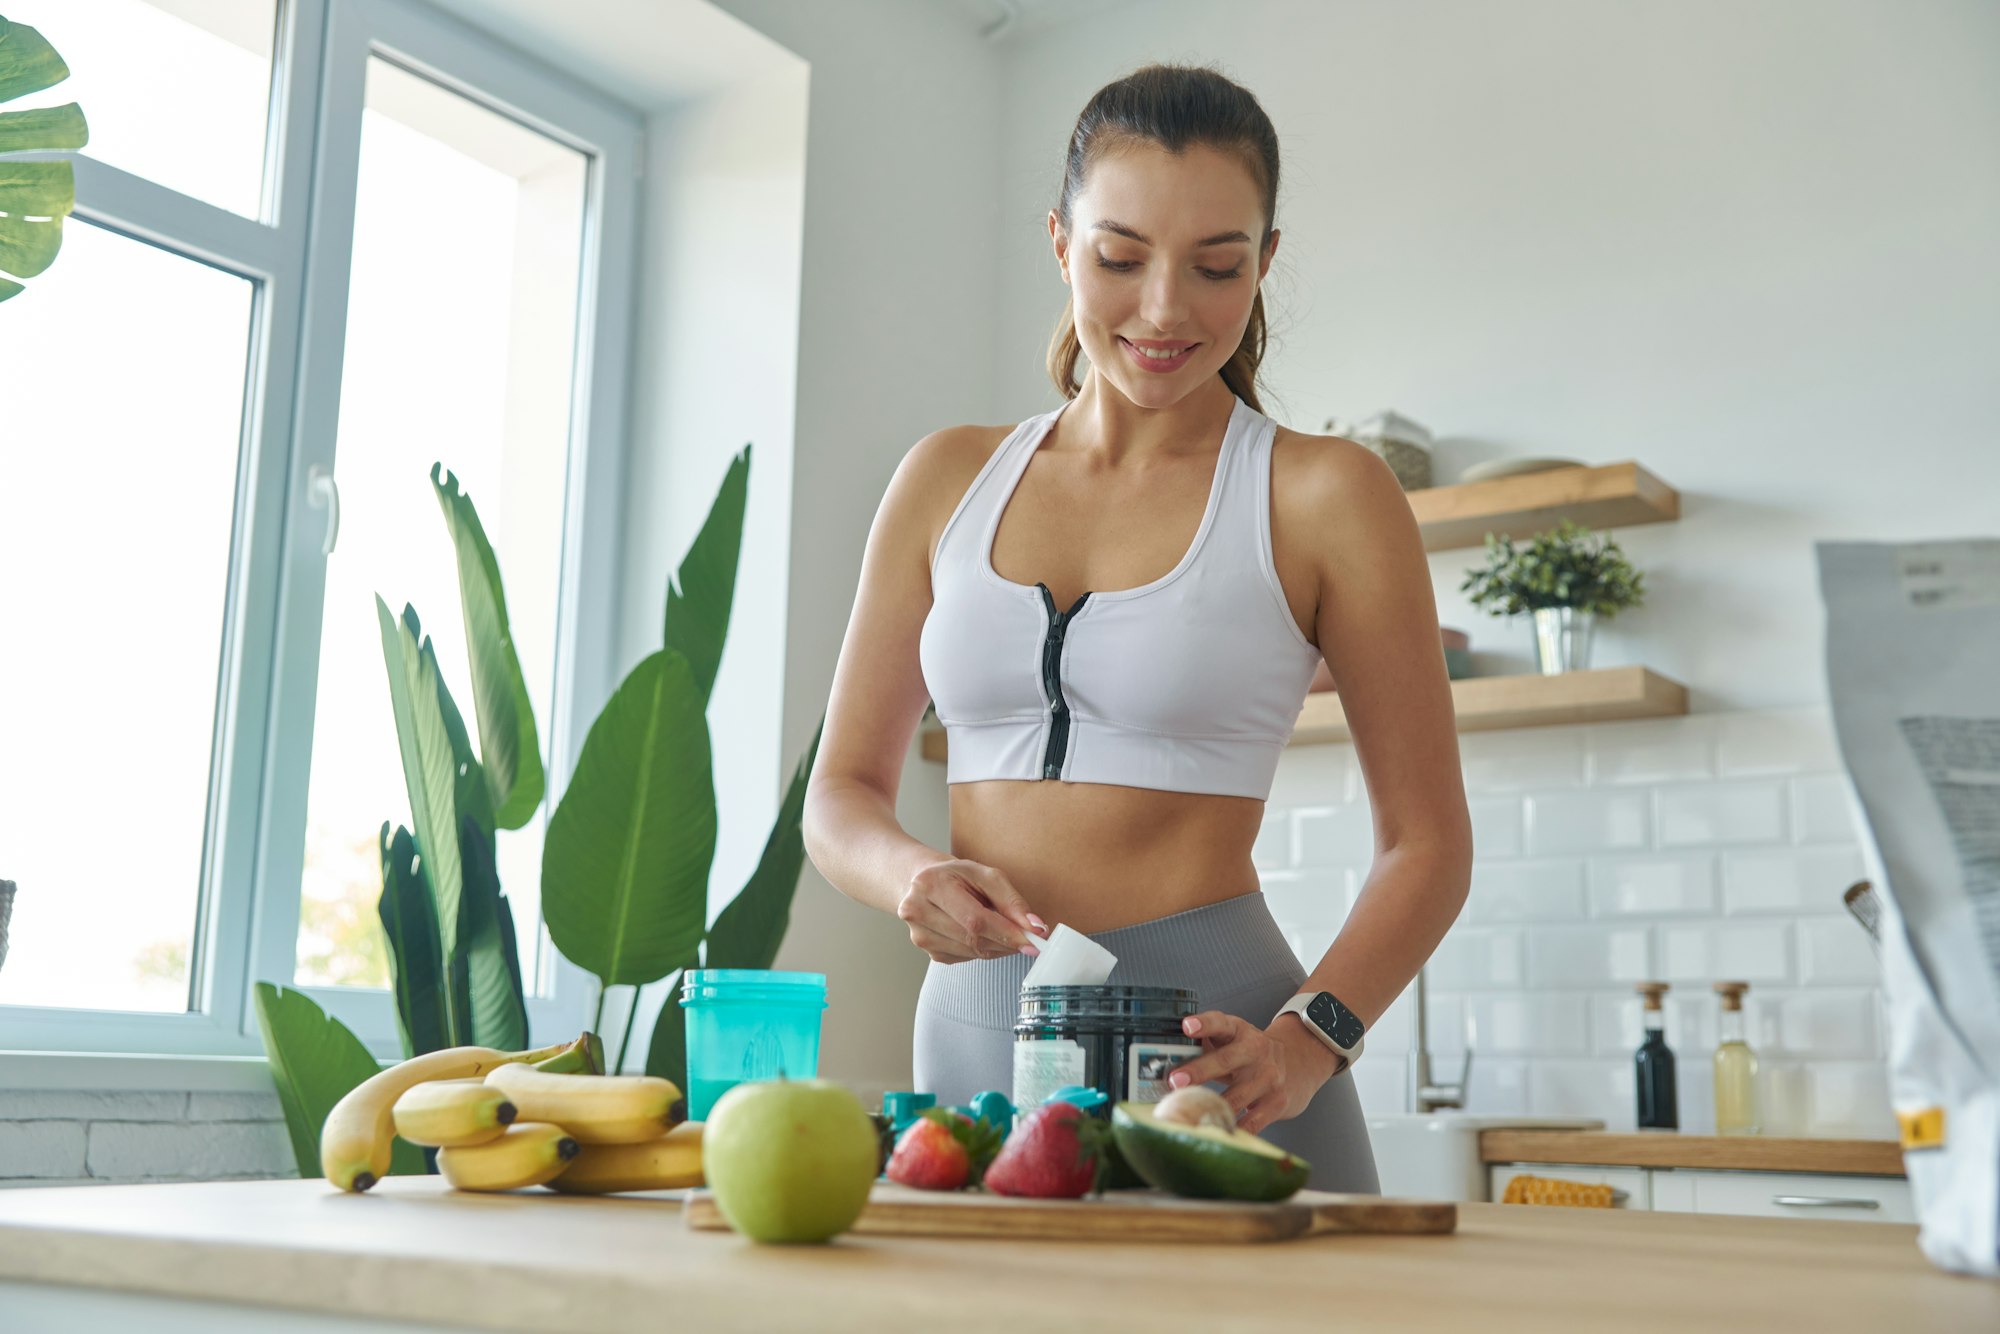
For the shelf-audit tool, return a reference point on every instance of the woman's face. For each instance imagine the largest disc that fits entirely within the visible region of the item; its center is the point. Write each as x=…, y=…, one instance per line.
x=1165, y=252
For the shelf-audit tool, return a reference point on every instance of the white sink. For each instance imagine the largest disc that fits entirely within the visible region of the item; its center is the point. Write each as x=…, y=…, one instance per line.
x=1435, y=1155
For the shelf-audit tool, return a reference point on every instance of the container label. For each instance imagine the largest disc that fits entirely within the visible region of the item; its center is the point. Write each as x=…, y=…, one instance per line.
x=1044, y=1065
x=1151, y=1063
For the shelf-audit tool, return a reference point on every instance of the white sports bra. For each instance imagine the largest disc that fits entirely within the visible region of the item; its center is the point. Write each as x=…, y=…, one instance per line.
x=1191, y=683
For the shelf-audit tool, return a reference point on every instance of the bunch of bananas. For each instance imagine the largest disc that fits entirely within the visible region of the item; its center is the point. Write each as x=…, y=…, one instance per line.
x=505, y=1120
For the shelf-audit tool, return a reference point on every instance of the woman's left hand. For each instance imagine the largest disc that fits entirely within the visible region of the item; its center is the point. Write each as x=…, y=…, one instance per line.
x=1270, y=1074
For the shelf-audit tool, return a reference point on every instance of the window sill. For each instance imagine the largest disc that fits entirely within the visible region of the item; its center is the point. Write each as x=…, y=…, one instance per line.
x=67, y=1071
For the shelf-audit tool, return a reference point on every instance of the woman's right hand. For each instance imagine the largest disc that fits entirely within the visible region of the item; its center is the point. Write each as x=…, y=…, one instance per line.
x=959, y=910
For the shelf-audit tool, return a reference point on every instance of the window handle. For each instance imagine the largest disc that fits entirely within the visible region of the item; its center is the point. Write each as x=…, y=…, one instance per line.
x=321, y=490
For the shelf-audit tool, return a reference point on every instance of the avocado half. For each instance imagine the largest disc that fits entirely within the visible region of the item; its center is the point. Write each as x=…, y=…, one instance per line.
x=1204, y=1162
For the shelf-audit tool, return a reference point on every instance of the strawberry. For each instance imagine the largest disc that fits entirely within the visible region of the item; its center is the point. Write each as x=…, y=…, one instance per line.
x=942, y=1150
x=1055, y=1153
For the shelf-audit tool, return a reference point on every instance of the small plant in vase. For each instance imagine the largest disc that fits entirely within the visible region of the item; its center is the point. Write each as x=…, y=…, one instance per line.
x=1567, y=579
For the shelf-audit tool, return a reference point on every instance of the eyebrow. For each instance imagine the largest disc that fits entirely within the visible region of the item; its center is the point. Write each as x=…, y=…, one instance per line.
x=1220, y=238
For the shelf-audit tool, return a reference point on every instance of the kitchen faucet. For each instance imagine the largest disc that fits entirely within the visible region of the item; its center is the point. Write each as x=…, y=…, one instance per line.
x=1426, y=1094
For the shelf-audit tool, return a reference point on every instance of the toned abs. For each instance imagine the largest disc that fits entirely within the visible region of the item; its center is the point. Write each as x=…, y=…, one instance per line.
x=1101, y=855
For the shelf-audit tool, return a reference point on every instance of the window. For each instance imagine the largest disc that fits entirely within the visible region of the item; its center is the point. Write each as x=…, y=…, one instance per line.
x=196, y=747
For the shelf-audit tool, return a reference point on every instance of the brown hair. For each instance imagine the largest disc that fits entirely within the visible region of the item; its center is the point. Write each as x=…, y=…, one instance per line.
x=1175, y=107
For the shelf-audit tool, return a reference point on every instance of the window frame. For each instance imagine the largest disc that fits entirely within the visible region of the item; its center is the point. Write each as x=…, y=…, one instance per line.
x=298, y=255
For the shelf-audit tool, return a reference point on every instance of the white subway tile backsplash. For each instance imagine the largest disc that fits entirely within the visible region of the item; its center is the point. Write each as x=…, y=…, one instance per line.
x=1584, y=822
x=1789, y=881
x=1775, y=741
x=1525, y=891
x=1718, y=813
x=1273, y=848
x=1652, y=886
x=1662, y=751
x=1496, y=826
x=1570, y=1087
x=1617, y=1025
x=41, y=1150
x=1746, y=952
x=1528, y=1025
x=1828, y=1024
x=1532, y=757
x=1331, y=835
x=1588, y=956
x=1851, y=1099
x=1821, y=812
x=1476, y=958
x=1690, y=849
x=1317, y=896
x=1836, y=951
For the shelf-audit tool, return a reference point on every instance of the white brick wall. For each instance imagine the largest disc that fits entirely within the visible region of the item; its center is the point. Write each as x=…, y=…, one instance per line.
x=63, y=1138
x=1694, y=850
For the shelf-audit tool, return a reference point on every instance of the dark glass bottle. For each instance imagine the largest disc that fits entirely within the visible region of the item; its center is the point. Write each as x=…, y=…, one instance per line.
x=1659, y=1103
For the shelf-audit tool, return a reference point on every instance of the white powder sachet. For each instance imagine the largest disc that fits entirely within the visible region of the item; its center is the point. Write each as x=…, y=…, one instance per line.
x=1070, y=959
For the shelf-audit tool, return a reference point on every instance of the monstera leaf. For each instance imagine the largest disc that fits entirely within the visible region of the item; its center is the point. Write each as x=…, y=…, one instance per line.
x=508, y=747
x=35, y=197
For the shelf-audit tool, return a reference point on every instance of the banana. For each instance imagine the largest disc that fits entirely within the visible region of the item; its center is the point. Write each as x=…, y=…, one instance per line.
x=450, y=1113
x=671, y=1162
x=355, y=1140
x=526, y=1154
x=597, y=1109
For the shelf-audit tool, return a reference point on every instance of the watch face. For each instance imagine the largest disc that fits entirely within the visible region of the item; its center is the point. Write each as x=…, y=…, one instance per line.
x=1334, y=1019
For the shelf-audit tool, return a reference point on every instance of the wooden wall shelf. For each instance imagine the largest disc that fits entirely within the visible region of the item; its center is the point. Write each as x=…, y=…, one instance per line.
x=1611, y=496
x=1489, y=703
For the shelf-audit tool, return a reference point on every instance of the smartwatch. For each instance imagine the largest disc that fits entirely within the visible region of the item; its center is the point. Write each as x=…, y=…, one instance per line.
x=1329, y=1021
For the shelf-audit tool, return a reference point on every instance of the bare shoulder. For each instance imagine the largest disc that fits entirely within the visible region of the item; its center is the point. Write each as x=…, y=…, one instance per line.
x=938, y=470
x=1342, y=493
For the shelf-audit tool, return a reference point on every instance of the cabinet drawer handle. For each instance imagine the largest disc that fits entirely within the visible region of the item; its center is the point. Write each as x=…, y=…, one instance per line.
x=1825, y=1202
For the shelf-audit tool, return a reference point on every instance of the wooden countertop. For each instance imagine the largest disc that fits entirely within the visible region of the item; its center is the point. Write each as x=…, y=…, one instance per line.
x=413, y=1249
x=1670, y=1148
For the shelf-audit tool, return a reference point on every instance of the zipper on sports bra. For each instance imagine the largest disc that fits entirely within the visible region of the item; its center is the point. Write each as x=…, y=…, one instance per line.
x=1052, y=681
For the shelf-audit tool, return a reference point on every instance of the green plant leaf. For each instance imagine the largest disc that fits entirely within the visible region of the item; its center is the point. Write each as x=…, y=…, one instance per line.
x=666, y=1054
x=750, y=929
x=409, y=919
x=430, y=772
x=493, y=975
x=36, y=189
x=44, y=130
x=470, y=792
x=315, y=1062
x=625, y=863
x=27, y=248
x=700, y=595
x=28, y=63
x=509, y=747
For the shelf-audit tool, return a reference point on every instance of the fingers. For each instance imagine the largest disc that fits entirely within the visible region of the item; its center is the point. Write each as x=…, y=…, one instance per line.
x=1231, y=1046
x=1263, y=1113
x=949, y=915
x=1005, y=899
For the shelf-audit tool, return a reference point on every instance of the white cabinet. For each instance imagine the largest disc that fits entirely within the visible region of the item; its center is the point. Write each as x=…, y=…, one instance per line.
x=1759, y=1194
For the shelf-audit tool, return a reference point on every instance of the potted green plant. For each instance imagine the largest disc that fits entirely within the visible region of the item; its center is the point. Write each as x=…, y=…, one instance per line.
x=1566, y=579
x=625, y=862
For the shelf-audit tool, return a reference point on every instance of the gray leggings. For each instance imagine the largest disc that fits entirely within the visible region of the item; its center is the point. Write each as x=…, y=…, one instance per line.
x=1233, y=956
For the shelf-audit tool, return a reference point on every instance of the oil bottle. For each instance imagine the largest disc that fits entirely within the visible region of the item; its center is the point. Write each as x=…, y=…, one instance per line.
x=1659, y=1103
x=1735, y=1067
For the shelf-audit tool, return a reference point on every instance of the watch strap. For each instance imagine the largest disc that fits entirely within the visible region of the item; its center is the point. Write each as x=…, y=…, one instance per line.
x=1309, y=1006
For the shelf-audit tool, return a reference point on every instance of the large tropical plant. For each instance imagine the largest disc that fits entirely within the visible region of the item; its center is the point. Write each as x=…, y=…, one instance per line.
x=626, y=860
x=36, y=196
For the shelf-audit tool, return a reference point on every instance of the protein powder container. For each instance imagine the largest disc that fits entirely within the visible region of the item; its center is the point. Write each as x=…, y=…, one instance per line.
x=1121, y=1041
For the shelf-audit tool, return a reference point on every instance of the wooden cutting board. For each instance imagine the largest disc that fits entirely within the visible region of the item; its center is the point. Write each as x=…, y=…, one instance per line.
x=1126, y=1215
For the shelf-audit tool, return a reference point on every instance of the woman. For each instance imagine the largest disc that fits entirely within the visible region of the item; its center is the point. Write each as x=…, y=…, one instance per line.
x=1118, y=607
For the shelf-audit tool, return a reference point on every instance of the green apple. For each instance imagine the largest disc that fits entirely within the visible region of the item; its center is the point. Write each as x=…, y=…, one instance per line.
x=790, y=1160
